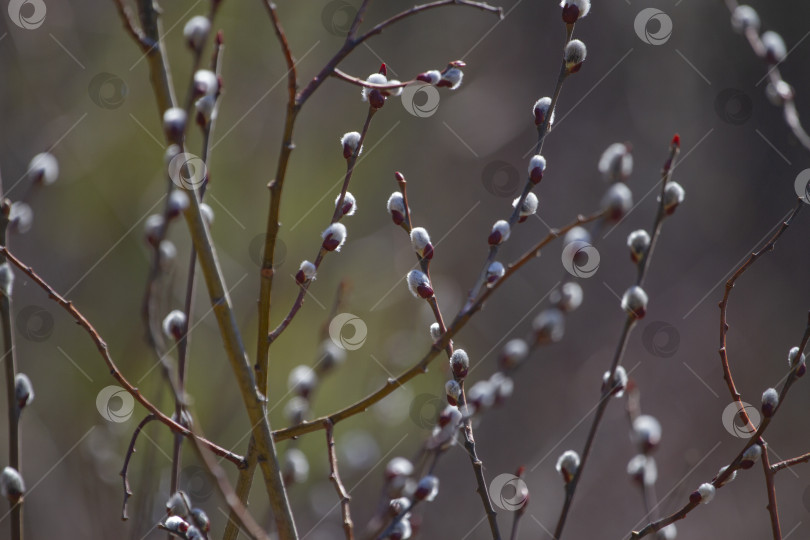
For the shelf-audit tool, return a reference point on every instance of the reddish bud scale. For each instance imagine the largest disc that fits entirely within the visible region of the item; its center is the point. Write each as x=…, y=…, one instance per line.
x=676, y=141
x=539, y=117
x=695, y=497
x=444, y=83
x=376, y=99
x=220, y=39
x=444, y=418
x=746, y=464
x=536, y=175
x=452, y=402
x=802, y=370
x=570, y=14
x=495, y=238
x=384, y=69
x=424, y=77
x=300, y=277
x=424, y=291
x=521, y=219
x=347, y=207
x=398, y=175
x=330, y=243
x=768, y=410
x=575, y=68
x=427, y=252
x=347, y=151
x=397, y=217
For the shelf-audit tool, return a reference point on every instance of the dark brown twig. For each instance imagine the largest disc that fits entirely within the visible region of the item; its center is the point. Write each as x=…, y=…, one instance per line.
x=421, y=367
x=101, y=345
x=334, y=477
x=773, y=510
x=127, y=458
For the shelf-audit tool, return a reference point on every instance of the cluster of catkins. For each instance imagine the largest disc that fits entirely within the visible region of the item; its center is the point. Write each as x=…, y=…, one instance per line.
x=183, y=520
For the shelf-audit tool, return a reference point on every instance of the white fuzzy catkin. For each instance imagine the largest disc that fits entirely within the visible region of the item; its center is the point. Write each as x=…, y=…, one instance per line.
x=584, y=6
x=549, y=325
x=453, y=77
x=568, y=296
x=775, y=47
x=706, y=492
x=529, y=206
x=634, y=301
x=419, y=284
x=567, y=465
x=43, y=168
x=616, y=162
x=540, y=111
x=308, y=270
x=349, y=206
x=638, y=242
x=206, y=83
x=349, y=141
x=334, y=237
x=196, y=31
x=495, y=271
x=575, y=53
x=374, y=78
x=744, y=17
x=174, y=324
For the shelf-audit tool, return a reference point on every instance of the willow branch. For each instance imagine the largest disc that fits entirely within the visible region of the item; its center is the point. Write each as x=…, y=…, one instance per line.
x=334, y=477
x=542, y=131
x=773, y=511
x=127, y=458
x=9, y=359
x=101, y=345
x=421, y=367
x=724, y=359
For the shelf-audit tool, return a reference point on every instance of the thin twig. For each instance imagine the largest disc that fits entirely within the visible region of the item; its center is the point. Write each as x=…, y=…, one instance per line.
x=773, y=510
x=101, y=345
x=721, y=479
x=607, y=392
x=334, y=477
x=9, y=358
x=804, y=458
x=421, y=367
x=127, y=458
x=542, y=131
x=724, y=359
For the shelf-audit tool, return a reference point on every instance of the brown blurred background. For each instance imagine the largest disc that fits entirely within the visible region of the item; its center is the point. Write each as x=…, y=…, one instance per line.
x=738, y=167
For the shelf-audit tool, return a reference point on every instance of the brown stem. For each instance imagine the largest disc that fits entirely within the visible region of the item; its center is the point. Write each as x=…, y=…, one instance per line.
x=773, y=511
x=542, y=131
x=334, y=477
x=767, y=248
x=101, y=345
x=804, y=458
x=9, y=358
x=127, y=458
x=421, y=367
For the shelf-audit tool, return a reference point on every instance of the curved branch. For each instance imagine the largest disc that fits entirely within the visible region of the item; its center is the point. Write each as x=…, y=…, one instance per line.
x=101, y=345
x=421, y=367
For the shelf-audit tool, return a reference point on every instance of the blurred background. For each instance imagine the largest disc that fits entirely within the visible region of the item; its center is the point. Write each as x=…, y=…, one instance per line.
x=78, y=86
